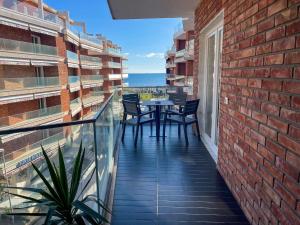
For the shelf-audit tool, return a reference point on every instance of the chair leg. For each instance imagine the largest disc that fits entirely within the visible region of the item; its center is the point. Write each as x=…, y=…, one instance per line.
x=141, y=130
x=198, y=130
x=123, y=132
x=179, y=130
x=164, y=127
x=136, y=134
x=185, y=135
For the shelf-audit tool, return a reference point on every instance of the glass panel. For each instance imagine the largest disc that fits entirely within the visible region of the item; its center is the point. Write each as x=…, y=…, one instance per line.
x=209, y=84
x=85, y=58
x=72, y=56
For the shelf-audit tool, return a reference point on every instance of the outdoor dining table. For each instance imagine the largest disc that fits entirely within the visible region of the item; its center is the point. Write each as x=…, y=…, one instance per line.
x=158, y=105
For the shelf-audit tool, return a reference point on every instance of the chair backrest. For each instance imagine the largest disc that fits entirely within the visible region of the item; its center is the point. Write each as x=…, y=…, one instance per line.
x=178, y=98
x=131, y=108
x=131, y=97
x=191, y=107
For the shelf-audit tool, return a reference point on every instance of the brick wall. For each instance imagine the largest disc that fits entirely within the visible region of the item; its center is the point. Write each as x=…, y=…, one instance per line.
x=259, y=145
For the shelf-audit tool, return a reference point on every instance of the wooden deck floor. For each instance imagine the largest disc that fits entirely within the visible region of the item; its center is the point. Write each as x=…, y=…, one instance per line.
x=169, y=184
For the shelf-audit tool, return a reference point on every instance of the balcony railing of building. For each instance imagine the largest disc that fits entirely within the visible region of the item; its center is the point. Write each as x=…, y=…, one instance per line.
x=93, y=98
x=90, y=62
x=75, y=106
x=88, y=81
x=72, y=57
x=29, y=10
x=170, y=65
x=173, y=77
x=115, y=76
x=114, y=51
x=114, y=65
x=91, y=38
x=26, y=47
x=99, y=137
x=74, y=83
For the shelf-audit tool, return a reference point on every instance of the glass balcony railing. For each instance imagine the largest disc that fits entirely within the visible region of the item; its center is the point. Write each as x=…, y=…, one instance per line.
x=99, y=136
x=72, y=56
x=92, y=78
x=28, y=117
x=113, y=65
x=26, y=47
x=180, y=53
x=75, y=103
x=10, y=84
x=74, y=79
x=90, y=38
x=29, y=10
x=90, y=59
x=114, y=51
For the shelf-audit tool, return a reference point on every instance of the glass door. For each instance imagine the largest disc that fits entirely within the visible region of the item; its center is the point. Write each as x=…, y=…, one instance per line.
x=211, y=93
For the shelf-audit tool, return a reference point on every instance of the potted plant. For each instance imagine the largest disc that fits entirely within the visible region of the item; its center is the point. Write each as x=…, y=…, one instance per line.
x=62, y=197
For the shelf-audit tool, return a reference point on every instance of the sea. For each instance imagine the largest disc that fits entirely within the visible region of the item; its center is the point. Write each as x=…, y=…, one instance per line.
x=145, y=79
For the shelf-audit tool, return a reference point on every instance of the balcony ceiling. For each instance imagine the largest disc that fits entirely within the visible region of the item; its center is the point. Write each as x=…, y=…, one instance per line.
x=140, y=9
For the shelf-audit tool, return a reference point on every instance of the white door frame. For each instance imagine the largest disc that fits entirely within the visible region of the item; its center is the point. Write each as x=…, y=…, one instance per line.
x=212, y=28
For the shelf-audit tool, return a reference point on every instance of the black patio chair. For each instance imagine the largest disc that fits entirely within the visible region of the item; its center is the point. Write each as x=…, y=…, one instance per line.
x=185, y=117
x=131, y=97
x=132, y=108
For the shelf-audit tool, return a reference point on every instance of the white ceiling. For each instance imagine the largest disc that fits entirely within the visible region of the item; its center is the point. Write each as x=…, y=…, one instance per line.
x=140, y=9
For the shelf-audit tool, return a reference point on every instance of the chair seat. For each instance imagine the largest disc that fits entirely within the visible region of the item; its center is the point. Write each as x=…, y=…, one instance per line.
x=179, y=119
x=134, y=121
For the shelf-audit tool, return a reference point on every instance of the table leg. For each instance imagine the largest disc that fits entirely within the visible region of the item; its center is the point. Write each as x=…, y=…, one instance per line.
x=157, y=120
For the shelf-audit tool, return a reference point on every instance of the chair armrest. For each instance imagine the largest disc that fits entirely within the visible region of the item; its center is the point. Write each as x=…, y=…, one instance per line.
x=147, y=113
x=174, y=112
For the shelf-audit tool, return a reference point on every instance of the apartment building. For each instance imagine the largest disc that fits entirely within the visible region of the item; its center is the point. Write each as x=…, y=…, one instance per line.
x=246, y=74
x=179, y=59
x=51, y=70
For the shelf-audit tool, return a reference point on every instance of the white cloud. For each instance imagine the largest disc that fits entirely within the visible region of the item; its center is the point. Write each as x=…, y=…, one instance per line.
x=152, y=55
x=126, y=53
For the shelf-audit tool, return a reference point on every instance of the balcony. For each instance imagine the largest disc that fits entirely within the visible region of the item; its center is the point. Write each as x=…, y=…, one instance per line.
x=155, y=183
x=114, y=76
x=94, y=98
x=72, y=59
x=71, y=34
x=189, y=53
x=115, y=52
x=89, y=62
x=46, y=115
x=170, y=65
x=75, y=106
x=25, y=53
x=124, y=75
x=172, y=77
x=28, y=88
x=89, y=81
x=112, y=65
x=23, y=15
x=90, y=42
x=74, y=83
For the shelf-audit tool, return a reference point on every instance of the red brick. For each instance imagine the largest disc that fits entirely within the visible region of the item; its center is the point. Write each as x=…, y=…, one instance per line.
x=290, y=215
x=273, y=59
x=261, y=15
x=262, y=72
x=271, y=193
x=270, y=109
x=277, y=124
x=294, y=132
x=265, y=25
x=295, y=102
x=284, y=44
x=280, y=99
x=272, y=85
x=290, y=115
x=293, y=186
x=289, y=143
x=276, y=33
x=263, y=49
x=275, y=148
x=292, y=57
x=281, y=72
x=258, y=39
x=293, y=28
x=291, y=87
x=293, y=160
x=267, y=131
x=277, y=7
x=297, y=73
x=258, y=137
x=251, y=123
x=286, y=15
x=250, y=31
x=287, y=168
x=255, y=83
x=259, y=117
x=284, y=193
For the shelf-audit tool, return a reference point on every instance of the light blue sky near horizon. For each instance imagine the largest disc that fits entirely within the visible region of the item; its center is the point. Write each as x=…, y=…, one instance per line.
x=144, y=40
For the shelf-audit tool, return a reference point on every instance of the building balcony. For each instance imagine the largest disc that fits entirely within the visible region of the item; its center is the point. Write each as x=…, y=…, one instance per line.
x=28, y=88
x=75, y=106
x=46, y=115
x=72, y=59
x=91, y=42
x=173, y=77
x=25, y=53
x=156, y=180
x=94, y=98
x=89, y=62
x=170, y=65
x=74, y=83
x=124, y=75
x=114, y=76
x=21, y=14
x=112, y=65
x=113, y=52
x=71, y=34
x=89, y=81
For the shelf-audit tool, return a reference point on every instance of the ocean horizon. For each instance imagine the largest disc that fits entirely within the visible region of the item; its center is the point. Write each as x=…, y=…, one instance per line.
x=145, y=79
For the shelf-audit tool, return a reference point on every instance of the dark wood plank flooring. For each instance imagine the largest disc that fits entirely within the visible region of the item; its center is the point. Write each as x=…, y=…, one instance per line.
x=169, y=184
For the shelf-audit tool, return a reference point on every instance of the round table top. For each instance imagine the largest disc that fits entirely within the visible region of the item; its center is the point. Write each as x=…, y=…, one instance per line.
x=158, y=102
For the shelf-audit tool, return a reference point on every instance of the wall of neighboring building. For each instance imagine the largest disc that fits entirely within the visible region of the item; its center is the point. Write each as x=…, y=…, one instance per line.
x=259, y=145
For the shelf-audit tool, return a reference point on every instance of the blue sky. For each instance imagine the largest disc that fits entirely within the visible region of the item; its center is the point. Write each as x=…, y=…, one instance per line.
x=145, y=41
